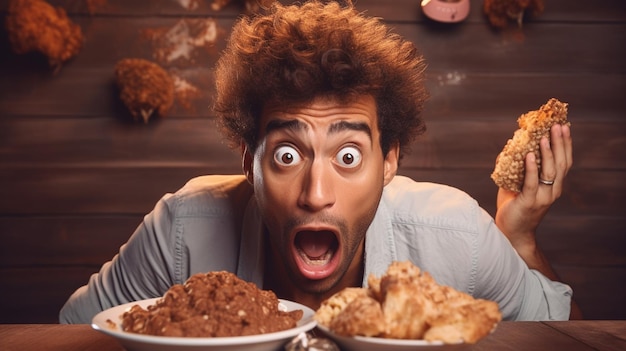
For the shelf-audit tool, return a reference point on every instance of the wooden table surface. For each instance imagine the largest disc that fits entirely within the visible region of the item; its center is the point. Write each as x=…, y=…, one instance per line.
x=570, y=335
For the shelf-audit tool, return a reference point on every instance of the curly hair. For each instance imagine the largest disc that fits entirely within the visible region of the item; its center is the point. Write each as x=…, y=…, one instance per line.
x=299, y=52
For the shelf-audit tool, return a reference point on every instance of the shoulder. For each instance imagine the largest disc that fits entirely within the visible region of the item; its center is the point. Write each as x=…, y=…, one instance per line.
x=429, y=200
x=211, y=193
x=430, y=211
x=216, y=185
x=437, y=227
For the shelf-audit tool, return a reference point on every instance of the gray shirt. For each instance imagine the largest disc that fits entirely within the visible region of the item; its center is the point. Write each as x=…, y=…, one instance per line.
x=213, y=224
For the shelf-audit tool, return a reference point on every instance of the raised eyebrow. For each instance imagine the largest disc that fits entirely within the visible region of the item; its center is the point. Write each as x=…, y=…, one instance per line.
x=296, y=125
x=345, y=125
x=277, y=124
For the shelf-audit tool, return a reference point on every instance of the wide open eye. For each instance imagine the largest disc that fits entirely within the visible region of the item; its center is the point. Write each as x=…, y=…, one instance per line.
x=349, y=157
x=287, y=156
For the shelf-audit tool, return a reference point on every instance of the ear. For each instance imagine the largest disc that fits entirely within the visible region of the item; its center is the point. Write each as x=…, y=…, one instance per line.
x=390, y=163
x=246, y=163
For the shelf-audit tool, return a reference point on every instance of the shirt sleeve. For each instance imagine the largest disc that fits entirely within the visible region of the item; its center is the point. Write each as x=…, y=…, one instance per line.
x=502, y=276
x=145, y=267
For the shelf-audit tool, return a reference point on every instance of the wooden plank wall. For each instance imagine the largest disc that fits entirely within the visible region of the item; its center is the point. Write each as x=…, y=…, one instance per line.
x=76, y=176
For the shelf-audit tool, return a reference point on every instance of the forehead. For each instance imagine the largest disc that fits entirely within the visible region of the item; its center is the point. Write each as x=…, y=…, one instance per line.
x=322, y=113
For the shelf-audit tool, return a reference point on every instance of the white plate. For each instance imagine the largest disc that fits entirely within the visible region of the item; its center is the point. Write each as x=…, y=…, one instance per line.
x=109, y=322
x=364, y=343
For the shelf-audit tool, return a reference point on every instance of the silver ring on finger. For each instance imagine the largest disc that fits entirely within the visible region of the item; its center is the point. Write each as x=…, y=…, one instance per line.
x=546, y=182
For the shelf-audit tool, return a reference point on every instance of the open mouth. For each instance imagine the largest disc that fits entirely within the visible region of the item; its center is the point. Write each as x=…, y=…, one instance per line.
x=316, y=251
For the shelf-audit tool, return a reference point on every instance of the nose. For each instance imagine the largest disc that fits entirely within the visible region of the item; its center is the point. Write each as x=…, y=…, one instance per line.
x=318, y=190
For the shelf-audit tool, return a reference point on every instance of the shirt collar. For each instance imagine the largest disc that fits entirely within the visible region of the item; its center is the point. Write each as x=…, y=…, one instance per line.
x=380, y=248
x=251, y=256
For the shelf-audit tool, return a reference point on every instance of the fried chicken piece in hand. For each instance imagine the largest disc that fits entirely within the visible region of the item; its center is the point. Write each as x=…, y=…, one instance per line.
x=36, y=26
x=145, y=88
x=509, y=171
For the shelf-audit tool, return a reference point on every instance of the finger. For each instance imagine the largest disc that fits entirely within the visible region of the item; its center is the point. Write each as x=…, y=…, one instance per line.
x=569, y=149
x=531, y=177
x=535, y=193
x=559, y=159
x=548, y=166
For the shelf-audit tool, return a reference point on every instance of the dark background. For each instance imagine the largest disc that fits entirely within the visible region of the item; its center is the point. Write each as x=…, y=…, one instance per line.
x=77, y=175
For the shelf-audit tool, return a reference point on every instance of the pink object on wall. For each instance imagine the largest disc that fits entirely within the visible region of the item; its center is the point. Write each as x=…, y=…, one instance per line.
x=446, y=10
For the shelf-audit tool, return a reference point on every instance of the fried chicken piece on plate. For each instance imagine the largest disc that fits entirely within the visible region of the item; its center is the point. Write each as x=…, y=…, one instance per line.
x=469, y=322
x=404, y=308
x=334, y=305
x=510, y=167
x=410, y=298
x=145, y=88
x=406, y=303
x=37, y=26
x=352, y=311
x=416, y=307
x=363, y=316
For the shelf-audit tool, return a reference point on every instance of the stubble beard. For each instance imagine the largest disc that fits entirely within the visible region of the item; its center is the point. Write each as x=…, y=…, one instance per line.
x=350, y=246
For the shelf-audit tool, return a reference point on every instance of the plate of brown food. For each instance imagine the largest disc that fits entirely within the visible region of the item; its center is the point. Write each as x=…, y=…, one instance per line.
x=405, y=309
x=212, y=311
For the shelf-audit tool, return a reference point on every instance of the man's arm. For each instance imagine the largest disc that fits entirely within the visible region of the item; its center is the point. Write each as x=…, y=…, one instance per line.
x=138, y=272
x=519, y=214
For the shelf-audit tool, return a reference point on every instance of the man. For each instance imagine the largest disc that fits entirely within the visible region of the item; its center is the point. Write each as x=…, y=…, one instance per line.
x=324, y=102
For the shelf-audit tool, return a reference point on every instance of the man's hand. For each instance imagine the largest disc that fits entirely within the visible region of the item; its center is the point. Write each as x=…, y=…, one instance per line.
x=519, y=215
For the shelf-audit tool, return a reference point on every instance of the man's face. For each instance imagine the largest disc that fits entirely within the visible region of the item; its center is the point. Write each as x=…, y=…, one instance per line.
x=318, y=175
